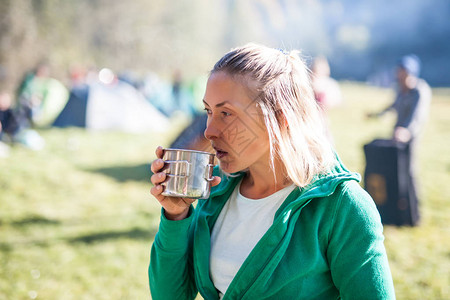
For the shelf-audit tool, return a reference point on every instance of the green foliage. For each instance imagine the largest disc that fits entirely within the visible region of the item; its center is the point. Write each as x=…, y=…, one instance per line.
x=77, y=219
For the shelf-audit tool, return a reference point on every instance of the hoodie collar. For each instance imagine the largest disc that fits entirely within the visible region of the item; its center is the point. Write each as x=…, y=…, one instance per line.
x=322, y=185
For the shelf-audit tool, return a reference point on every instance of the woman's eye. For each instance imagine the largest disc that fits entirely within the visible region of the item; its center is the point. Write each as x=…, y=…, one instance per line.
x=224, y=113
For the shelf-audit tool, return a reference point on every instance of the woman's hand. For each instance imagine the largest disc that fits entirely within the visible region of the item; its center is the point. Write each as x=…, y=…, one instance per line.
x=174, y=208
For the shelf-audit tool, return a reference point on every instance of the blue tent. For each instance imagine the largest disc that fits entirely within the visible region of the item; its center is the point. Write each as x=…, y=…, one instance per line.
x=116, y=106
x=74, y=113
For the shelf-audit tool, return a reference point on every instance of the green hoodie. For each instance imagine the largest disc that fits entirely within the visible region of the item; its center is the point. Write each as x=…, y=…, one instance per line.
x=326, y=242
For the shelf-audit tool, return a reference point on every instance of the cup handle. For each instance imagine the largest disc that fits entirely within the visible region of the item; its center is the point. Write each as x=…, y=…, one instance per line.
x=208, y=172
x=187, y=167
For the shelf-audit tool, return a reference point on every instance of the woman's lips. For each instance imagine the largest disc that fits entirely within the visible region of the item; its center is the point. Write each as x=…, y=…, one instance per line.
x=220, y=153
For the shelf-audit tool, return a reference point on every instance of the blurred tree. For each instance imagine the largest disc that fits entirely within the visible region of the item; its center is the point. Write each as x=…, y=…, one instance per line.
x=145, y=35
x=190, y=35
x=19, y=47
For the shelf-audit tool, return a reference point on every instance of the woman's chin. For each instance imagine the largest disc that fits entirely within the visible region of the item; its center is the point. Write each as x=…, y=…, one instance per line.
x=227, y=167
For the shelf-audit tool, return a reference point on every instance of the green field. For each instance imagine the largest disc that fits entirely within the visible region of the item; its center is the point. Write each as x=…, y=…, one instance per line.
x=77, y=219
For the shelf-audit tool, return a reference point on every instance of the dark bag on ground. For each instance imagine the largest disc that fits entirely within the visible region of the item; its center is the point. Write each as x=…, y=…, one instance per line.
x=388, y=179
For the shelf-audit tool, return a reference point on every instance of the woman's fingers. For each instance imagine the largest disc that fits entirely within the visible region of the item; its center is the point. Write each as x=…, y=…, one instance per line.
x=157, y=165
x=159, y=152
x=156, y=190
x=157, y=178
x=216, y=180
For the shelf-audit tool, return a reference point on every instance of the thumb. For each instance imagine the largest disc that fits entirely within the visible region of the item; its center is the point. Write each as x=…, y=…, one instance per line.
x=216, y=180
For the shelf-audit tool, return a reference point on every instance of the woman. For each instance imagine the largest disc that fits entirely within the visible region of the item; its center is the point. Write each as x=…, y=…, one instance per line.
x=285, y=219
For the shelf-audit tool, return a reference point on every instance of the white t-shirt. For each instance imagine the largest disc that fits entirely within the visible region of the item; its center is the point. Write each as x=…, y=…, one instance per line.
x=240, y=225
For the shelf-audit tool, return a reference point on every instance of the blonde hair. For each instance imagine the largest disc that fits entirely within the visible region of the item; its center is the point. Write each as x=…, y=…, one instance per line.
x=280, y=84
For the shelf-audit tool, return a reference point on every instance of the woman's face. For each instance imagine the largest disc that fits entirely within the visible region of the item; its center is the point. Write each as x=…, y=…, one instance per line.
x=235, y=125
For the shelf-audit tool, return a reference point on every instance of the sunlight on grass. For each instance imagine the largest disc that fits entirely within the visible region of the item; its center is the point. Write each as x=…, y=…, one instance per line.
x=77, y=219
x=419, y=257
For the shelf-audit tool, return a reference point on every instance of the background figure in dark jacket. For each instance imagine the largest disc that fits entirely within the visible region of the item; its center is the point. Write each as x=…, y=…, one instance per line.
x=412, y=103
x=8, y=121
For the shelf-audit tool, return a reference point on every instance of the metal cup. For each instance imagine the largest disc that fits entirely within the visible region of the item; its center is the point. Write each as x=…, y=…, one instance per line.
x=188, y=173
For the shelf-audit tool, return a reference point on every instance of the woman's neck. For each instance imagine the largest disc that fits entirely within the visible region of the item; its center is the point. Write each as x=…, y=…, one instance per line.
x=262, y=182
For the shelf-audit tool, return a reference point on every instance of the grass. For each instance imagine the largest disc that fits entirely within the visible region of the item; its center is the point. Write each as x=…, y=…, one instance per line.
x=77, y=219
x=419, y=256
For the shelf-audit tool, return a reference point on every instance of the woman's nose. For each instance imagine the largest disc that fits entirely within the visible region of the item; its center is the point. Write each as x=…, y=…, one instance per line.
x=211, y=131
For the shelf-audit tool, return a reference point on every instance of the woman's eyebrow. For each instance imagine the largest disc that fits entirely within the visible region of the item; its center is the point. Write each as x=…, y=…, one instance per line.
x=218, y=104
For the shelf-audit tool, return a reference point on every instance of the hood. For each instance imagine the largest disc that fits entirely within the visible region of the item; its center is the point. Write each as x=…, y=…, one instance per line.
x=322, y=185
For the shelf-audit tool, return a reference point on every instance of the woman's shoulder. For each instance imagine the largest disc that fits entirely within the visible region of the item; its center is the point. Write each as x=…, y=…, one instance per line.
x=350, y=193
x=354, y=205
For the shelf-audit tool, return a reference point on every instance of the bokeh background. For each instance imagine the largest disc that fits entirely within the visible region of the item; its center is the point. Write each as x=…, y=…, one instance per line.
x=76, y=216
x=361, y=39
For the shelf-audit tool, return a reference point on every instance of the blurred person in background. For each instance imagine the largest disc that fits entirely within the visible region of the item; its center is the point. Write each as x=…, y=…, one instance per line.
x=285, y=219
x=412, y=101
x=6, y=115
x=177, y=83
x=9, y=125
x=326, y=89
x=7, y=122
x=411, y=105
x=40, y=97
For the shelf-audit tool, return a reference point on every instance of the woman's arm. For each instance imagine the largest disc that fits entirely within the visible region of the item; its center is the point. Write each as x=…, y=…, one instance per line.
x=356, y=253
x=170, y=271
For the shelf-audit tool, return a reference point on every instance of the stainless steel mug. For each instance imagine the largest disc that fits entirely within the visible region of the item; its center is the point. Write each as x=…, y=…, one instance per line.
x=188, y=173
